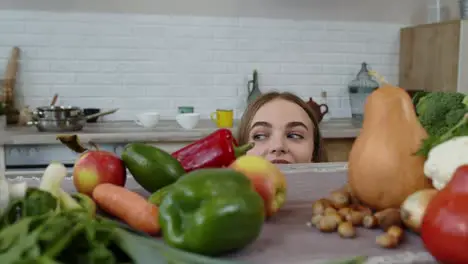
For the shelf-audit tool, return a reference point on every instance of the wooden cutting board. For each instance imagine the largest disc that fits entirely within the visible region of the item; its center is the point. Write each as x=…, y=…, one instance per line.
x=9, y=83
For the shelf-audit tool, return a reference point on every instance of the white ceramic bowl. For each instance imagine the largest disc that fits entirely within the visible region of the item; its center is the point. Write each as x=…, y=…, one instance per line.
x=188, y=120
x=148, y=119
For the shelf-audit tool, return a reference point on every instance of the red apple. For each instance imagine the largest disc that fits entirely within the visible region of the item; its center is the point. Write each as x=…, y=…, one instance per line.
x=98, y=166
x=268, y=180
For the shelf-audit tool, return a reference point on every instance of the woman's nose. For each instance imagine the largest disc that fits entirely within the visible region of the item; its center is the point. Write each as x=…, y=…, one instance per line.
x=278, y=151
x=278, y=146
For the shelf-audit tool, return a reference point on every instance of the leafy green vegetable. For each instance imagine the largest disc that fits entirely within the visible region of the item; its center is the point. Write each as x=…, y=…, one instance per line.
x=148, y=250
x=439, y=111
x=460, y=129
x=74, y=237
x=60, y=237
x=85, y=202
x=16, y=240
x=38, y=202
x=418, y=95
x=35, y=203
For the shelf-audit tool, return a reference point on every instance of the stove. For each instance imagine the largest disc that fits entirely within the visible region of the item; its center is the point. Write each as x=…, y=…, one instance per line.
x=21, y=157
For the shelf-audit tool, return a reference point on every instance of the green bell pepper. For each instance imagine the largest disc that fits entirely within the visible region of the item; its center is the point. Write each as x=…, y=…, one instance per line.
x=156, y=197
x=211, y=212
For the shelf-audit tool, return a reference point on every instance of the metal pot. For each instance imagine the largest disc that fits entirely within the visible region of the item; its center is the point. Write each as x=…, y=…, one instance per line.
x=53, y=112
x=65, y=124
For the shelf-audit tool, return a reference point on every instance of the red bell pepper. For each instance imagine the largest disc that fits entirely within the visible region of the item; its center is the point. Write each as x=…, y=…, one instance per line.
x=217, y=150
x=444, y=226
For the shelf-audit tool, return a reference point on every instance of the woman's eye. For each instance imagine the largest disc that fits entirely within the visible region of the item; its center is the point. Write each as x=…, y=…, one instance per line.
x=259, y=136
x=295, y=136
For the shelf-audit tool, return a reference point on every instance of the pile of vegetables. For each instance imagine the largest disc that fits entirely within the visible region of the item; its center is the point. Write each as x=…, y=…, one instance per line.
x=208, y=211
x=207, y=197
x=47, y=225
x=407, y=146
x=411, y=163
x=214, y=202
x=445, y=116
x=440, y=215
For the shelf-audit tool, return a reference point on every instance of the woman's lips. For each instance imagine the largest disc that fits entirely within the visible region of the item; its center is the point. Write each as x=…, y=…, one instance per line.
x=280, y=161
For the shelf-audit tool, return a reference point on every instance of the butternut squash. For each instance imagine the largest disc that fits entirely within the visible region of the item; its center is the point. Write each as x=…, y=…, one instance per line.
x=382, y=168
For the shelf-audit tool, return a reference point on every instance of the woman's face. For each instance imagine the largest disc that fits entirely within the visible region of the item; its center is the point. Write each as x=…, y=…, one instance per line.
x=282, y=132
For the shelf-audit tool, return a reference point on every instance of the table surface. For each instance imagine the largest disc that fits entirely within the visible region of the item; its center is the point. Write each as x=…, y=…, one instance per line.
x=286, y=238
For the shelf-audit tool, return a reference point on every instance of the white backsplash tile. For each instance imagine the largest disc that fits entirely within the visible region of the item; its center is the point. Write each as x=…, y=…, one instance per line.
x=156, y=62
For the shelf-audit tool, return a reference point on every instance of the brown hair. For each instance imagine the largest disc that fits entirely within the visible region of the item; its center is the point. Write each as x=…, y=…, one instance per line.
x=319, y=154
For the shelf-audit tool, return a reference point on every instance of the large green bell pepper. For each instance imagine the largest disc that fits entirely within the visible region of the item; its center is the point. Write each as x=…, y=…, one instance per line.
x=211, y=212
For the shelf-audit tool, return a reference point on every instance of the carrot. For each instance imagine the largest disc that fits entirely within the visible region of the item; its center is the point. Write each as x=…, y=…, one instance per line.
x=128, y=206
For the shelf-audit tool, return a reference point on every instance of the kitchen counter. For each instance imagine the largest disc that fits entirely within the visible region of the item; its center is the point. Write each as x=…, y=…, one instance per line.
x=167, y=131
x=23, y=149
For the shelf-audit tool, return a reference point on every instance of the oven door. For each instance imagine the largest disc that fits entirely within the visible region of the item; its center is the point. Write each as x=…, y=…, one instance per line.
x=31, y=160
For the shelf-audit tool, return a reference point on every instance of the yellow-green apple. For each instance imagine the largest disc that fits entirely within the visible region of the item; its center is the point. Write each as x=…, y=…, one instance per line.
x=97, y=166
x=267, y=178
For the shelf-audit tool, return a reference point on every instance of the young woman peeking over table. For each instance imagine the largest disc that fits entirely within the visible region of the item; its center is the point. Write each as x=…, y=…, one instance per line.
x=284, y=129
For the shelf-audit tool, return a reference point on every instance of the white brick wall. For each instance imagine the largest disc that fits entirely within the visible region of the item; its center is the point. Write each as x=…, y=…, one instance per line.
x=152, y=62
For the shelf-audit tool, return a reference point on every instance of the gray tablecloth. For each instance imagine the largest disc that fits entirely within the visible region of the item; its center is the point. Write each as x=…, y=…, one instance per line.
x=287, y=239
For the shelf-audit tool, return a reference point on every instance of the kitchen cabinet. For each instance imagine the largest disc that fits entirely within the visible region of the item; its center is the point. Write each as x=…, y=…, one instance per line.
x=40, y=156
x=434, y=57
x=338, y=148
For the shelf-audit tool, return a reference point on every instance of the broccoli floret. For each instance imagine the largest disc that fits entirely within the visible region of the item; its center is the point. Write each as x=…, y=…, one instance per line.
x=418, y=95
x=459, y=130
x=454, y=116
x=439, y=111
x=465, y=101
